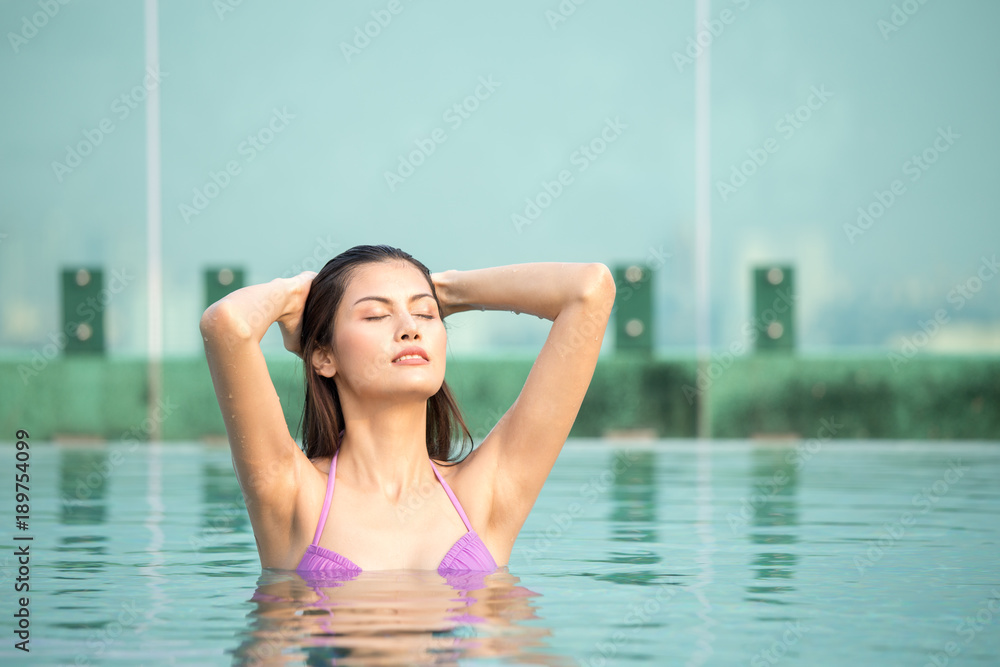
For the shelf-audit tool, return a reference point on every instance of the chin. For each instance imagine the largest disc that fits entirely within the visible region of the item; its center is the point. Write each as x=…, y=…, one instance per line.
x=418, y=388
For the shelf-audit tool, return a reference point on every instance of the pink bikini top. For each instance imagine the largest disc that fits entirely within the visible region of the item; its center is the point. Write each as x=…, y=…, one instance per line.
x=467, y=555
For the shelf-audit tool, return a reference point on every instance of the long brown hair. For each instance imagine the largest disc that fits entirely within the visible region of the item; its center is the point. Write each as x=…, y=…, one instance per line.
x=322, y=415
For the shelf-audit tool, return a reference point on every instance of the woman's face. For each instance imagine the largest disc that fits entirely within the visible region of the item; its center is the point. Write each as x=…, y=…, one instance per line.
x=387, y=308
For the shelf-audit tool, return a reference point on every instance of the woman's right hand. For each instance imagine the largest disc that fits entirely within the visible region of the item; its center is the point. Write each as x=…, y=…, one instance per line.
x=290, y=321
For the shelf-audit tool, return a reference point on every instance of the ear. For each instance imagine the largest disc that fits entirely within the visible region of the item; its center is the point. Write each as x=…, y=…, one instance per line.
x=323, y=362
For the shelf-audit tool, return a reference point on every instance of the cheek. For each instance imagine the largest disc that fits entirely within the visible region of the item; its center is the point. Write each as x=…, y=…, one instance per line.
x=360, y=348
x=440, y=337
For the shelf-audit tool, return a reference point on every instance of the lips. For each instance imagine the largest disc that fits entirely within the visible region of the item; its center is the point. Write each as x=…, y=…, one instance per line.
x=409, y=352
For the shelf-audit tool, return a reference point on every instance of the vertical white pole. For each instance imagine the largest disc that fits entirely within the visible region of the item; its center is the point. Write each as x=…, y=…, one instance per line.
x=703, y=214
x=154, y=276
x=703, y=238
x=154, y=279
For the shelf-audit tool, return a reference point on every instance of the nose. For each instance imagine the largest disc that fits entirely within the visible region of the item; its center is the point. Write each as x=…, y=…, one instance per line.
x=408, y=329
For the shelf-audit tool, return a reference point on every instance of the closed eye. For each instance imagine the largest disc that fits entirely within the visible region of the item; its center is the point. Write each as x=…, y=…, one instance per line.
x=429, y=317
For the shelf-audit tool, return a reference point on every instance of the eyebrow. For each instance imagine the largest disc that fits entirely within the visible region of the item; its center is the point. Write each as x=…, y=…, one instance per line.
x=387, y=301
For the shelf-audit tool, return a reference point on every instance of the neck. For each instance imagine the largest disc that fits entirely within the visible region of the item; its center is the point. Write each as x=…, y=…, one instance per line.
x=384, y=448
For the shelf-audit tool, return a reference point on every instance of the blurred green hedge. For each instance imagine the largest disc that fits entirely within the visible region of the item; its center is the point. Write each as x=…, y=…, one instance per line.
x=948, y=398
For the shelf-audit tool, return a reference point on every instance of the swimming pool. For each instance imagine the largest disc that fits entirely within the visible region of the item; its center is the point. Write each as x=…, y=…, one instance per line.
x=664, y=552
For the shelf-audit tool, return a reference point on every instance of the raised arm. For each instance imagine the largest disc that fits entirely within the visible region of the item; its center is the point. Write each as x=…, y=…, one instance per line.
x=266, y=458
x=518, y=454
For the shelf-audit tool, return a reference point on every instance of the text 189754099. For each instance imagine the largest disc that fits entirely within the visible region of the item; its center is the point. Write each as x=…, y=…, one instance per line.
x=22, y=515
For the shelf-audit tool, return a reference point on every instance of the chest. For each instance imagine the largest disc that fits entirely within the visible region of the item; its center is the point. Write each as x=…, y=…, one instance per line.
x=413, y=534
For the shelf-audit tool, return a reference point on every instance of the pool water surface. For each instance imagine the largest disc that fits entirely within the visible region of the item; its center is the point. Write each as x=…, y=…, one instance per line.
x=662, y=552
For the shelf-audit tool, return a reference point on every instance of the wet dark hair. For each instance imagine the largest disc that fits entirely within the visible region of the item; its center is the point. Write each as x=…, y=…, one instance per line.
x=322, y=415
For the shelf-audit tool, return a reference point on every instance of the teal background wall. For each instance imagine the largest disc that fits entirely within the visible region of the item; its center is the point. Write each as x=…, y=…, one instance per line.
x=853, y=141
x=319, y=186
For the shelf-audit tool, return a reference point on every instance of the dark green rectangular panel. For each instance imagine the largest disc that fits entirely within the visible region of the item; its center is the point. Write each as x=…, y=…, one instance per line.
x=83, y=305
x=774, y=308
x=221, y=281
x=633, y=309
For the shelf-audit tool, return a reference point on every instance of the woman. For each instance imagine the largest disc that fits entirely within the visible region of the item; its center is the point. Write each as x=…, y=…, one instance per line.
x=378, y=415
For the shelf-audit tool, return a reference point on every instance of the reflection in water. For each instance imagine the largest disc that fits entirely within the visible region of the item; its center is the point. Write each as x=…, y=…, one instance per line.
x=224, y=515
x=83, y=480
x=773, y=497
x=632, y=518
x=704, y=556
x=152, y=570
x=392, y=617
x=634, y=497
x=633, y=512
